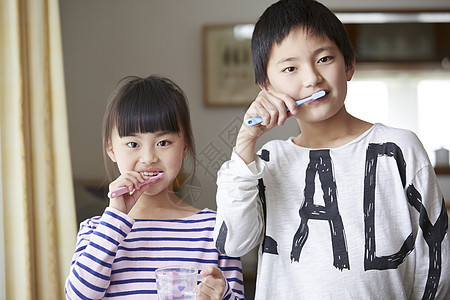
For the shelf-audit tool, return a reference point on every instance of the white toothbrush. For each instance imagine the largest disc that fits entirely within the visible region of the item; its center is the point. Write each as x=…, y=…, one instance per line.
x=256, y=120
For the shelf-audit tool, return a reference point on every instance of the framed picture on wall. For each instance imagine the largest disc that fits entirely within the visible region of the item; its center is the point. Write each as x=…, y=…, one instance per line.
x=228, y=76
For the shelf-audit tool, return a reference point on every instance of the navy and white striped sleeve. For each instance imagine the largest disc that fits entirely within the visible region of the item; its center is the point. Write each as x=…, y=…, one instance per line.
x=232, y=270
x=97, y=243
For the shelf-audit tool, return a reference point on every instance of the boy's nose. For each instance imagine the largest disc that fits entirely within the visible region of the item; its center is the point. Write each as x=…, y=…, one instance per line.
x=311, y=77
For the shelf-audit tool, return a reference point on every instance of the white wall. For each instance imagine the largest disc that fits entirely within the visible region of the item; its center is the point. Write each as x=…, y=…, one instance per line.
x=105, y=40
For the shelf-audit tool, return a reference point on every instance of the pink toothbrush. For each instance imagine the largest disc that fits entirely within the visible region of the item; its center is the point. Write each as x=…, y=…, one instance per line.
x=123, y=190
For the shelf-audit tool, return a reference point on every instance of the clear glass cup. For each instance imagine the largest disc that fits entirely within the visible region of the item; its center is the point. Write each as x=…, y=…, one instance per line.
x=175, y=283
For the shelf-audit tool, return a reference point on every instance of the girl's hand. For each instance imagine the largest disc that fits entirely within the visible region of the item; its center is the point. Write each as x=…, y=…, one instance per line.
x=213, y=284
x=125, y=202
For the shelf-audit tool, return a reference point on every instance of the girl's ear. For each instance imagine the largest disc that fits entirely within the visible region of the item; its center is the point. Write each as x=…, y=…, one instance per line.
x=110, y=152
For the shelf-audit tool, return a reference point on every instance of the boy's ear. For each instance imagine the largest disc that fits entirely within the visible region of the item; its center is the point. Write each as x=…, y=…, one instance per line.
x=261, y=86
x=110, y=152
x=265, y=87
x=350, y=70
x=185, y=150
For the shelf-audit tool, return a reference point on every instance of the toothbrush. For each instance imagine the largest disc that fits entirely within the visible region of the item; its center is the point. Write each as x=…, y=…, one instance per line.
x=123, y=190
x=315, y=96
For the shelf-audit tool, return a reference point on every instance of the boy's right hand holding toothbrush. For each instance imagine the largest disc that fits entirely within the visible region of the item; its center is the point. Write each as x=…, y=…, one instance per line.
x=271, y=107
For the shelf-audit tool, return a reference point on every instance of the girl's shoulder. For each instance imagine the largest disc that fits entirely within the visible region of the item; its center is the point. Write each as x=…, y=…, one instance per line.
x=110, y=216
x=207, y=212
x=198, y=216
x=92, y=222
x=204, y=214
x=89, y=226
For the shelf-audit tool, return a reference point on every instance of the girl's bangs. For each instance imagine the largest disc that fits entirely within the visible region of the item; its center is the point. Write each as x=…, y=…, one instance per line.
x=146, y=114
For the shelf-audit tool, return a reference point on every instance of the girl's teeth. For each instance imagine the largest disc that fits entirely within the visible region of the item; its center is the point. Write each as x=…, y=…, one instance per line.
x=149, y=174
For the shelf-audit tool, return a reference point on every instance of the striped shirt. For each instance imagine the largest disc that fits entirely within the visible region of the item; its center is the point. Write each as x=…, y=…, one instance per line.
x=116, y=256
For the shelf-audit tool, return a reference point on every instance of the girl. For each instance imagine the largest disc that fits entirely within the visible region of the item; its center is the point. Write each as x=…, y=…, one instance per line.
x=146, y=137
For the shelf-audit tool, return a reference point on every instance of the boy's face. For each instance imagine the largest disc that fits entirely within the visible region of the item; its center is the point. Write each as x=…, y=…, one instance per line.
x=303, y=64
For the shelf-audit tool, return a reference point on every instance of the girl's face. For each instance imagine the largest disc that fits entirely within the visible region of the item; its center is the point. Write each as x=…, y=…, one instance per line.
x=149, y=153
x=303, y=64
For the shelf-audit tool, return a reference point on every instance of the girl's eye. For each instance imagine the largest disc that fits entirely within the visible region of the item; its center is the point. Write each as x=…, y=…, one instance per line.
x=289, y=69
x=325, y=59
x=133, y=144
x=163, y=143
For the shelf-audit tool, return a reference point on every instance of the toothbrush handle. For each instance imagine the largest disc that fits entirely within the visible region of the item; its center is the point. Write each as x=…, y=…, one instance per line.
x=124, y=189
x=118, y=192
x=256, y=120
x=253, y=121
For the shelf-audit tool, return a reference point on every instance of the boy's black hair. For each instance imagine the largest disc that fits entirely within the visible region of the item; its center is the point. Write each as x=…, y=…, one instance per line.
x=280, y=18
x=141, y=105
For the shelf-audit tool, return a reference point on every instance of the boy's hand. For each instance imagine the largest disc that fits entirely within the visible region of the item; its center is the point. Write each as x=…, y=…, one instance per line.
x=271, y=107
x=213, y=284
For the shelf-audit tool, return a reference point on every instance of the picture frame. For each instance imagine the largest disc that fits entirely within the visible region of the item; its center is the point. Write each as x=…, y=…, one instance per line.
x=228, y=75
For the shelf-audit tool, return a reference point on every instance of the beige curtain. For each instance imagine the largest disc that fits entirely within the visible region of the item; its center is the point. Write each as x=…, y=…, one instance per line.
x=39, y=225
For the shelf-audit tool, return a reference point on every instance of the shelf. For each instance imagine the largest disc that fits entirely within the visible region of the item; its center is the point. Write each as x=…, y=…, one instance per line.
x=442, y=170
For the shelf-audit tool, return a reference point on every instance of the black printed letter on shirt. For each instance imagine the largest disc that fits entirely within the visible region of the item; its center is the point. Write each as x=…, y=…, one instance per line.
x=371, y=261
x=433, y=235
x=320, y=163
x=270, y=245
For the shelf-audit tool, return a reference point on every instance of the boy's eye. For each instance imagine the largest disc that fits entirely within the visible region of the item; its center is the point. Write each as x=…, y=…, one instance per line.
x=325, y=59
x=163, y=143
x=133, y=144
x=289, y=69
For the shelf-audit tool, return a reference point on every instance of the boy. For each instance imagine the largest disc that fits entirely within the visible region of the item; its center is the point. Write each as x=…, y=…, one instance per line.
x=346, y=209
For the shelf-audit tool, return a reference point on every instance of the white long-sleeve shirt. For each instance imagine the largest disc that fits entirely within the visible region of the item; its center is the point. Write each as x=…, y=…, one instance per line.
x=116, y=256
x=365, y=220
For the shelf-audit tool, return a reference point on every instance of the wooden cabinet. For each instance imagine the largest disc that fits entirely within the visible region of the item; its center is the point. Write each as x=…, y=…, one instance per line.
x=399, y=37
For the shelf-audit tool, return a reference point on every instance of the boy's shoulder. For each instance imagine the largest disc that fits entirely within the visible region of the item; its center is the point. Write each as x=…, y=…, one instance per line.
x=380, y=128
x=405, y=141
x=278, y=143
x=402, y=137
x=277, y=151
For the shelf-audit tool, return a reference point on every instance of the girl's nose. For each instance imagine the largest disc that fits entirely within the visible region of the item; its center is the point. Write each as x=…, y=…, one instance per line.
x=148, y=156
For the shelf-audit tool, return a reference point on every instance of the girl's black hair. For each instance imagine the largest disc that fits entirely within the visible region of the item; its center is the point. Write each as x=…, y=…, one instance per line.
x=280, y=18
x=142, y=105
